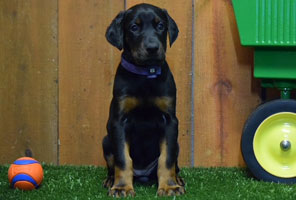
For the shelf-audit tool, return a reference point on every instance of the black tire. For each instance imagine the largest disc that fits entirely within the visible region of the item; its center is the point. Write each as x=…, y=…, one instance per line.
x=251, y=125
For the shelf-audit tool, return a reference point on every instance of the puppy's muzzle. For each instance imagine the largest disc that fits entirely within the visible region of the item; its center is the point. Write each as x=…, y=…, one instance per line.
x=152, y=47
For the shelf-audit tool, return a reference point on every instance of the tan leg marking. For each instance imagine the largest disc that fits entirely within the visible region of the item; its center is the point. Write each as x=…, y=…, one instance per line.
x=168, y=183
x=123, y=178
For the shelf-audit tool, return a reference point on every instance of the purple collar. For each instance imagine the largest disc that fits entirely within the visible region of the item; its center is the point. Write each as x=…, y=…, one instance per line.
x=149, y=72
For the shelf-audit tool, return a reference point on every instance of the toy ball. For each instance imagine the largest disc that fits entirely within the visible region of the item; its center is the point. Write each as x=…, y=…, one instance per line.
x=25, y=173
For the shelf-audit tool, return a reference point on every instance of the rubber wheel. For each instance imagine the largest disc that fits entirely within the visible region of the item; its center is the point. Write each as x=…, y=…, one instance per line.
x=269, y=142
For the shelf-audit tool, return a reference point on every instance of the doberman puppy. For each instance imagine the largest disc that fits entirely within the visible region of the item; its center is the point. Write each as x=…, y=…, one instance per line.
x=142, y=139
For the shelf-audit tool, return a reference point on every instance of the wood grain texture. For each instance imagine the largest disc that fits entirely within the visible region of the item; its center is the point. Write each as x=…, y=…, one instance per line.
x=28, y=74
x=179, y=58
x=87, y=69
x=225, y=92
x=57, y=72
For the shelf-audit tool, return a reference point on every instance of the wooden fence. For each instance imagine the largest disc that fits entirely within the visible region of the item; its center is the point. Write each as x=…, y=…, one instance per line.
x=56, y=73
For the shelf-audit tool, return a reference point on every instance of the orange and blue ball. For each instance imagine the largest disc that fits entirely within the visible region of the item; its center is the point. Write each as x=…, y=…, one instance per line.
x=25, y=173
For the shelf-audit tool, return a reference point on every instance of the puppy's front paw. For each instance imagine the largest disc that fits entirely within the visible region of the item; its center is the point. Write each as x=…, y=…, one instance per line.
x=172, y=188
x=121, y=192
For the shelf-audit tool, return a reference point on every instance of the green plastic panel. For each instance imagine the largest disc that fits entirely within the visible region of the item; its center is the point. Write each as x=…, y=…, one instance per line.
x=275, y=64
x=266, y=22
x=282, y=84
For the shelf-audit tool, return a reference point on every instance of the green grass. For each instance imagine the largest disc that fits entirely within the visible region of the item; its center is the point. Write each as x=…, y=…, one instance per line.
x=68, y=182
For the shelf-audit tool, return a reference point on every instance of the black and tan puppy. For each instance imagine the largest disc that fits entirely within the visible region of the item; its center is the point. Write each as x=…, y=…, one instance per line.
x=142, y=139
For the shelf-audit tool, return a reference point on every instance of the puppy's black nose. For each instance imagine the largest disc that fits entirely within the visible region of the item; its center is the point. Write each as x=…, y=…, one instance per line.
x=152, y=47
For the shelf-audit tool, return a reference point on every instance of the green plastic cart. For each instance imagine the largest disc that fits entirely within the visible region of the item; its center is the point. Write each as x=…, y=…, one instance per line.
x=269, y=137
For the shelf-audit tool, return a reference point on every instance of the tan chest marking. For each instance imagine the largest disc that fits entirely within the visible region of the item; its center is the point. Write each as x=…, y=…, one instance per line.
x=163, y=103
x=126, y=104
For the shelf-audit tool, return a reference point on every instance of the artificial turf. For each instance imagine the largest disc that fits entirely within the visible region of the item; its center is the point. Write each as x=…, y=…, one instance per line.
x=70, y=182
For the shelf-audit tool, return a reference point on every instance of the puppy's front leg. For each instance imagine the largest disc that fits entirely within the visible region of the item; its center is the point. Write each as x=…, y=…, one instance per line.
x=169, y=183
x=123, y=169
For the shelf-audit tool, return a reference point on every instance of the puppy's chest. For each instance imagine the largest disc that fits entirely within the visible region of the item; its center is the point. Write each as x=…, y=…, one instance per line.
x=129, y=103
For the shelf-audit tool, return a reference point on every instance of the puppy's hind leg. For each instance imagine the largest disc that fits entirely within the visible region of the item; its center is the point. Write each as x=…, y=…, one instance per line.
x=109, y=157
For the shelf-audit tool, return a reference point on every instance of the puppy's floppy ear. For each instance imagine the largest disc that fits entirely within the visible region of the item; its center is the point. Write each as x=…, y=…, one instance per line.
x=114, y=33
x=172, y=28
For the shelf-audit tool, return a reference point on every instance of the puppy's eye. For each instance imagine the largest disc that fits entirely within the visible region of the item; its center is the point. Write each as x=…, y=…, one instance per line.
x=160, y=26
x=134, y=28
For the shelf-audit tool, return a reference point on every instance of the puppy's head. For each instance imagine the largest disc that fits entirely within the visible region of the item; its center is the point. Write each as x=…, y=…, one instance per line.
x=142, y=32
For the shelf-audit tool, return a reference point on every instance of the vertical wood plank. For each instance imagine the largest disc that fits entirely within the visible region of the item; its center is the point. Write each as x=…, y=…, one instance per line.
x=225, y=92
x=179, y=58
x=87, y=69
x=28, y=74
